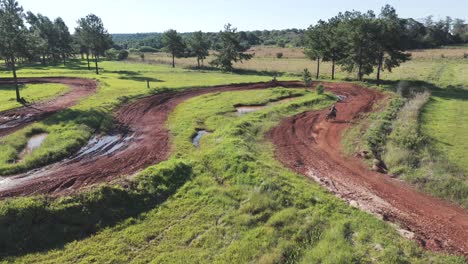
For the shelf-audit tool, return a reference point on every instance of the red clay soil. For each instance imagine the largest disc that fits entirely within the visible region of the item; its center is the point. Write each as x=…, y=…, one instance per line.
x=13, y=120
x=149, y=144
x=309, y=145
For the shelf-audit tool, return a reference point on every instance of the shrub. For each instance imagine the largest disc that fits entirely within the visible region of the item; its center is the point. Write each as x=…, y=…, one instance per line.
x=307, y=77
x=465, y=55
x=148, y=49
x=320, y=89
x=279, y=55
x=113, y=54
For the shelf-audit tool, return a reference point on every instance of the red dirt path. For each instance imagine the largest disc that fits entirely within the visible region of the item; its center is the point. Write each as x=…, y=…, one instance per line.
x=309, y=145
x=150, y=144
x=13, y=120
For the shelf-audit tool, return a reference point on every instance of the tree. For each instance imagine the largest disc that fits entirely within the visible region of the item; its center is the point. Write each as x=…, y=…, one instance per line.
x=14, y=37
x=64, y=39
x=360, y=46
x=173, y=44
x=230, y=49
x=199, y=46
x=334, y=43
x=315, y=44
x=93, y=35
x=389, y=42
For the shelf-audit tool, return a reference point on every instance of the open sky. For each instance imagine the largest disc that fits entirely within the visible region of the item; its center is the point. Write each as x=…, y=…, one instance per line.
x=124, y=16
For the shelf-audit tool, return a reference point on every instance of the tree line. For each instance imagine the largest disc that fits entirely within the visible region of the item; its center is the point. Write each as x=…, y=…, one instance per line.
x=29, y=37
x=360, y=42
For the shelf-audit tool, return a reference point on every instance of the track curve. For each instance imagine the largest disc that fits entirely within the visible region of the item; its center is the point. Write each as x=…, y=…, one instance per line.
x=15, y=119
x=148, y=144
x=309, y=145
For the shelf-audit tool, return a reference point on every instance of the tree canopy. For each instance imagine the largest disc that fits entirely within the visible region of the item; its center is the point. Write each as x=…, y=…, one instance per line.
x=230, y=49
x=173, y=44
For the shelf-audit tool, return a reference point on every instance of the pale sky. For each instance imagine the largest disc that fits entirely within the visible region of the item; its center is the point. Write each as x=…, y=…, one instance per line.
x=123, y=16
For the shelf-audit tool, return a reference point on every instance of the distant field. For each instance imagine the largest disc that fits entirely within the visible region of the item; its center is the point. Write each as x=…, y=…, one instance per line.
x=31, y=92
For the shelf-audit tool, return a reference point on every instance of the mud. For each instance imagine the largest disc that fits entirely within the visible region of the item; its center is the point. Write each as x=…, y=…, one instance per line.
x=148, y=144
x=309, y=145
x=13, y=120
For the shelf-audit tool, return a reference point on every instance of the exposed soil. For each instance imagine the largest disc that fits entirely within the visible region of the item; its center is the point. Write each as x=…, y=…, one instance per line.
x=309, y=145
x=148, y=144
x=13, y=120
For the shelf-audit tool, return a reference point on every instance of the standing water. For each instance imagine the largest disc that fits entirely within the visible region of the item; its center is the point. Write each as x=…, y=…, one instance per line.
x=33, y=143
x=198, y=137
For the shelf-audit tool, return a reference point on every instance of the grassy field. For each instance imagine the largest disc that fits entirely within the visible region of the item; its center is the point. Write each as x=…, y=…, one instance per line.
x=240, y=205
x=119, y=82
x=30, y=92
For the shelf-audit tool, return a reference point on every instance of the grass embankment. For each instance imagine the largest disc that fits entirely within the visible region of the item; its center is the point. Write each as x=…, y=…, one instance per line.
x=118, y=82
x=411, y=154
x=241, y=205
x=30, y=92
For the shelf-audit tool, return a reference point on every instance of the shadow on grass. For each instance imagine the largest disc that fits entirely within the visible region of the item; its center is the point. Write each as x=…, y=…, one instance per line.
x=41, y=224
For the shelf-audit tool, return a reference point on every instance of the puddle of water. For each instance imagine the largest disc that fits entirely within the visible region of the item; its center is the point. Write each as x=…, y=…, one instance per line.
x=198, y=137
x=103, y=145
x=33, y=143
x=245, y=109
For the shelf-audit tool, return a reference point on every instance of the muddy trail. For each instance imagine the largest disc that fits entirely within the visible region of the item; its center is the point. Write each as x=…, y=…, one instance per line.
x=146, y=142
x=15, y=119
x=309, y=145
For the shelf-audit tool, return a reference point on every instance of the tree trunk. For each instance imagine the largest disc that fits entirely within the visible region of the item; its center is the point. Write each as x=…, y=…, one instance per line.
x=96, y=57
x=15, y=78
x=173, y=61
x=87, y=58
x=318, y=68
x=333, y=69
x=379, y=69
x=64, y=62
x=82, y=55
x=198, y=62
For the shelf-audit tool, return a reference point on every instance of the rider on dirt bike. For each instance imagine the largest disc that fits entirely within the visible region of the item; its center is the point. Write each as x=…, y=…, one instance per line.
x=333, y=111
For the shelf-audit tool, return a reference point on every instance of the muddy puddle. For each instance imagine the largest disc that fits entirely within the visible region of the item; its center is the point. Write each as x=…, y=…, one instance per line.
x=245, y=109
x=198, y=137
x=33, y=143
x=103, y=145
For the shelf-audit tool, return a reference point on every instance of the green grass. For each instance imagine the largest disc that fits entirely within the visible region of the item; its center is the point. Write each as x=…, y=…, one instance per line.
x=118, y=82
x=241, y=205
x=30, y=92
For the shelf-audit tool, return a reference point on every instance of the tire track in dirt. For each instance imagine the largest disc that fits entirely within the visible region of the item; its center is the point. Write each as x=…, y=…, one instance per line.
x=145, y=121
x=15, y=119
x=309, y=145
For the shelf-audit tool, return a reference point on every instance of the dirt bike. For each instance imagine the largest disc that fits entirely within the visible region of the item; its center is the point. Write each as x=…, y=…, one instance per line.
x=331, y=116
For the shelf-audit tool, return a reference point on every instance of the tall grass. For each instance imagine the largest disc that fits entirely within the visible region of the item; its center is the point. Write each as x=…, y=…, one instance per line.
x=411, y=155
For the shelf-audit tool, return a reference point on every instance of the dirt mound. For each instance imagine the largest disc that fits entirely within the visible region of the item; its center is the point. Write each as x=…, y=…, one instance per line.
x=309, y=145
x=13, y=120
x=147, y=143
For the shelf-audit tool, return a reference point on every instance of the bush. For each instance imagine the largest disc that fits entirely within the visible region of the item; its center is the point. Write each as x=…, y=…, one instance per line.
x=320, y=89
x=148, y=49
x=113, y=54
x=279, y=55
x=307, y=77
x=465, y=55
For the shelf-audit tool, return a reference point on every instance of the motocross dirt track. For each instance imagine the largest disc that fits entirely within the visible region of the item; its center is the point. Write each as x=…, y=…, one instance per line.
x=309, y=145
x=13, y=120
x=148, y=144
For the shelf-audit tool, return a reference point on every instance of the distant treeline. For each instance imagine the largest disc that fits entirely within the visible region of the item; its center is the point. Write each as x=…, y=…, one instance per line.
x=421, y=34
x=149, y=41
